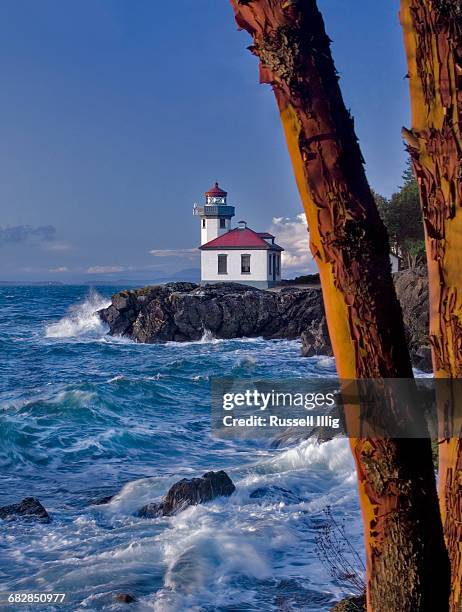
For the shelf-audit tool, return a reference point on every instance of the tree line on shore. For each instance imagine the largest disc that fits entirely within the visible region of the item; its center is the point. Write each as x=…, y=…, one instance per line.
x=402, y=217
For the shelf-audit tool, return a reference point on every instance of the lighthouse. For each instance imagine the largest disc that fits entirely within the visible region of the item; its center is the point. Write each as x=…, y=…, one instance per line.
x=215, y=215
x=238, y=255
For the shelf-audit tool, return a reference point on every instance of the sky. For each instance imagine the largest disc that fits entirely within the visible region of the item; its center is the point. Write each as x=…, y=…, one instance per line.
x=117, y=115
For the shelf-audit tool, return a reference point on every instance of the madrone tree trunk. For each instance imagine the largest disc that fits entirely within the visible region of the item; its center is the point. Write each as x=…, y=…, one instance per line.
x=433, y=40
x=407, y=568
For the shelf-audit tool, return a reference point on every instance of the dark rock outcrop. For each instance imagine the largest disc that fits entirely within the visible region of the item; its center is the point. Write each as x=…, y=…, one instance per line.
x=101, y=501
x=315, y=339
x=29, y=508
x=351, y=604
x=185, y=311
x=412, y=290
x=190, y=492
x=125, y=598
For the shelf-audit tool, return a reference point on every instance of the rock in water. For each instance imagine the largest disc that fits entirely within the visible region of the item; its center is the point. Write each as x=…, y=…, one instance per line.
x=29, y=508
x=125, y=598
x=184, y=312
x=152, y=510
x=190, y=492
x=101, y=501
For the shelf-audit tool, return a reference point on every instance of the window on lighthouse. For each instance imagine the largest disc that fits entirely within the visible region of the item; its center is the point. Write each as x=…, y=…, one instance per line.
x=245, y=264
x=222, y=264
x=203, y=223
x=222, y=223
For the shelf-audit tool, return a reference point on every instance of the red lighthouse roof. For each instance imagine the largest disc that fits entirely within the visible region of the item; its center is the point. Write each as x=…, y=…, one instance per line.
x=216, y=191
x=240, y=238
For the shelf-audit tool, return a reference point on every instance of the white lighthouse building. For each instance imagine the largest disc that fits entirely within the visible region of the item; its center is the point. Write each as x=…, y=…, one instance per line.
x=238, y=255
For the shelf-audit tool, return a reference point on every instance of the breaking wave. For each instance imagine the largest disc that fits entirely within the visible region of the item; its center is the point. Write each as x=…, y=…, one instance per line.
x=97, y=417
x=81, y=320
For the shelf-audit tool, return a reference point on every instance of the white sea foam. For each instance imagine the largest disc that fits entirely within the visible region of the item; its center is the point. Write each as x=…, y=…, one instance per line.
x=335, y=456
x=211, y=555
x=203, y=553
x=116, y=378
x=81, y=319
x=137, y=493
x=207, y=336
x=157, y=376
x=208, y=546
x=88, y=436
x=326, y=362
x=247, y=361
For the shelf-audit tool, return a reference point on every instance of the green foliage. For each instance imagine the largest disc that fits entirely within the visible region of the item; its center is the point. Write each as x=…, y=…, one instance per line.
x=403, y=219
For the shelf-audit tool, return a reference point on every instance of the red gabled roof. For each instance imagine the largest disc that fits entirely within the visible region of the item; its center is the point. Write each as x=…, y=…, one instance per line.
x=240, y=238
x=265, y=235
x=216, y=191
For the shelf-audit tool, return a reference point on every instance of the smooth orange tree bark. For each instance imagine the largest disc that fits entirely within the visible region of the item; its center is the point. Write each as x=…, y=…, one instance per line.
x=433, y=40
x=407, y=567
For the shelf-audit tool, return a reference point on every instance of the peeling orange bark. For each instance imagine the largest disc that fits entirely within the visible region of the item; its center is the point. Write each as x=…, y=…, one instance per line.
x=433, y=40
x=406, y=560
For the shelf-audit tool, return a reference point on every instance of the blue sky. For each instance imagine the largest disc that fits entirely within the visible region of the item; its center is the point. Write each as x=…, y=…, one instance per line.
x=118, y=114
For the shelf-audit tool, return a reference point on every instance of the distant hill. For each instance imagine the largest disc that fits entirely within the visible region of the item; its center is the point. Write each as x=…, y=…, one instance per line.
x=192, y=275
x=28, y=283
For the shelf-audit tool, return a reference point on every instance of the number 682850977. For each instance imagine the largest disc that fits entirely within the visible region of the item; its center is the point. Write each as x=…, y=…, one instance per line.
x=39, y=598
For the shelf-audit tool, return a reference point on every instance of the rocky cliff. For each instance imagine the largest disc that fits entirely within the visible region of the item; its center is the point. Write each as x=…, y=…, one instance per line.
x=184, y=311
x=412, y=291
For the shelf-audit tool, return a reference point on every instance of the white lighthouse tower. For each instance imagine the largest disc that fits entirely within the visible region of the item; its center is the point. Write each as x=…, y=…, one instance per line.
x=238, y=255
x=215, y=215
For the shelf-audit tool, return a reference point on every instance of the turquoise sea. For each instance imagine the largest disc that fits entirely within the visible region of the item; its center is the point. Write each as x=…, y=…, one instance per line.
x=84, y=415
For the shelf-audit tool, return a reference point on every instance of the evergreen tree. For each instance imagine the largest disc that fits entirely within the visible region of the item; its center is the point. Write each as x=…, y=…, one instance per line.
x=402, y=216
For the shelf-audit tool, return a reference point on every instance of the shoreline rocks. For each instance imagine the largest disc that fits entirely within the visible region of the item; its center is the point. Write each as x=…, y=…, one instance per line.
x=351, y=604
x=29, y=508
x=101, y=501
x=190, y=492
x=412, y=291
x=126, y=598
x=183, y=312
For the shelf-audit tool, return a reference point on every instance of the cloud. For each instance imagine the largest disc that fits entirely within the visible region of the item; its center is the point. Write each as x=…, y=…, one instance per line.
x=59, y=270
x=292, y=234
x=189, y=253
x=58, y=246
x=12, y=234
x=105, y=269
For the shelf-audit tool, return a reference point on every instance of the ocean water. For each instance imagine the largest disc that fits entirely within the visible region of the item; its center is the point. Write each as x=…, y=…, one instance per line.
x=84, y=415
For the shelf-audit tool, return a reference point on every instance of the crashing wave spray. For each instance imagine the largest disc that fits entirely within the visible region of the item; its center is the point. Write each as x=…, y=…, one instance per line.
x=81, y=318
x=207, y=336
